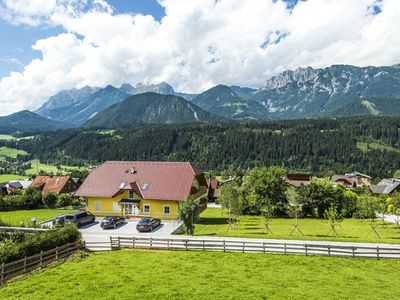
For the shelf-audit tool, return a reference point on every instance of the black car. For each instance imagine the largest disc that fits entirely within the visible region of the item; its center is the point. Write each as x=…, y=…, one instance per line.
x=59, y=221
x=147, y=224
x=111, y=222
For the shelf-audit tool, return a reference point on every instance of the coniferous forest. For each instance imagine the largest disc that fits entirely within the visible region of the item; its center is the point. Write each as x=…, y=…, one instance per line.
x=319, y=146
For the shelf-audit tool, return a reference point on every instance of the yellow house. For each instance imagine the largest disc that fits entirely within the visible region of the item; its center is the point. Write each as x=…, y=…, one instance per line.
x=138, y=189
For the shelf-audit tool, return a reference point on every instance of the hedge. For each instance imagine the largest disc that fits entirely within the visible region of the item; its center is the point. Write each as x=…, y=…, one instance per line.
x=14, y=247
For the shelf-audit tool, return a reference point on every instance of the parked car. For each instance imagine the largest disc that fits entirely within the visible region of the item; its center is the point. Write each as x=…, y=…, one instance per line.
x=111, y=222
x=147, y=224
x=79, y=218
x=59, y=221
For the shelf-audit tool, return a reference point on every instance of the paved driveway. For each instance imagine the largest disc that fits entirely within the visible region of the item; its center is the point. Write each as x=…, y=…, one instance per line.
x=94, y=233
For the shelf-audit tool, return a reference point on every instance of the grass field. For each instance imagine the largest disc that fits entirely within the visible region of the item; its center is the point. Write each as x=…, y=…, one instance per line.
x=9, y=177
x=213, y=223
x=209, y=275
x=365, y=146
x=11, y=152
x=24, y=216
x=37, y=166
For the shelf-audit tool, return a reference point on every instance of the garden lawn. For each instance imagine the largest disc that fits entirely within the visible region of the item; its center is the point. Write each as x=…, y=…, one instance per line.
x=17, y=217
x=213, y=223
x=9, y=177
x=136, y=274
x=36, y=166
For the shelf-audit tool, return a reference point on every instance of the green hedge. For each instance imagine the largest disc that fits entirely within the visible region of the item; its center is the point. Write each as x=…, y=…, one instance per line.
x=14, y=247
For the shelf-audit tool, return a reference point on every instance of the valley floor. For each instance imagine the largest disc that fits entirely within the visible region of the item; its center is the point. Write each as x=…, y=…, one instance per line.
x=129, y=274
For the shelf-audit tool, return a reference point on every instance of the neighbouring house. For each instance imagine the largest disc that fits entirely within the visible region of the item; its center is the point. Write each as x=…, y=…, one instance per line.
x=298, y=179
x=386, y=186
x=214, y=190
x=137, y=189
x=55, y=184
x=360, y=179
x=345, y=181
x=14, y=186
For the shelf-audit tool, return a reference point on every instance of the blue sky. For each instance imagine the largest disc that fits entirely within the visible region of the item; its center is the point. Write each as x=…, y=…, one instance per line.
x=16, y=49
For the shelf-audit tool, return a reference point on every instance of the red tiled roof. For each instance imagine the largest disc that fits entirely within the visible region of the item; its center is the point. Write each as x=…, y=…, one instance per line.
x=164, y=180
x=48, y=184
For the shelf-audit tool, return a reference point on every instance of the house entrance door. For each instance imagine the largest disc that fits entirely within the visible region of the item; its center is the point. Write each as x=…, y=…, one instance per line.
x=128, y=209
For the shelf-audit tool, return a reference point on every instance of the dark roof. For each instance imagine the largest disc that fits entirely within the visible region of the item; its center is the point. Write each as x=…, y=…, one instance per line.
x=298, y=179
x=386, y=186
x=336, y=178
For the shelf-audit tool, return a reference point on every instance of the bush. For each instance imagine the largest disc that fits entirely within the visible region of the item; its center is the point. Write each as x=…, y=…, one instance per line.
x=18, y=247
x=49, y=199
x=64, y=200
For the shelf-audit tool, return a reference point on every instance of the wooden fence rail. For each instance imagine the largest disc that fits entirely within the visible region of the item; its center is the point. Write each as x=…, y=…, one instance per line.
x=30, y=263
x=227, y=245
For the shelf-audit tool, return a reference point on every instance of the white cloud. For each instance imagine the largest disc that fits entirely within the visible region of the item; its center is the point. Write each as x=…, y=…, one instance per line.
x=199, y=43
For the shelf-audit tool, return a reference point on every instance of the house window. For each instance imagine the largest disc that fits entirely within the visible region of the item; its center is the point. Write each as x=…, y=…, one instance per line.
x=116, y=206
x=131, y=195
x=146, y=209
x=166, y=209
x=98, y=205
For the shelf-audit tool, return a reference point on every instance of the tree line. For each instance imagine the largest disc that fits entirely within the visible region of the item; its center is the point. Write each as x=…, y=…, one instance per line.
x=318, y=146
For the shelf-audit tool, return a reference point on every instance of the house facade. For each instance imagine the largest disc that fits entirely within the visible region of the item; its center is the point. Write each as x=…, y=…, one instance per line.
x=361, y=180
x=137, y=189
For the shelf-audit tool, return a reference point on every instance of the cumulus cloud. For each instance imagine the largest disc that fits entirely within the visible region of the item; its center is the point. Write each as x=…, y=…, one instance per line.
x=198, y=44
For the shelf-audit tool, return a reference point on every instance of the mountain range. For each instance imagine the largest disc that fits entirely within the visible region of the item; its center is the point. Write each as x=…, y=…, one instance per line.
x=335, y=91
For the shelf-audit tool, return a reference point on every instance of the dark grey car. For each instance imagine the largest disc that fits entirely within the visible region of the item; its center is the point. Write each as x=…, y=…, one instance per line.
x=79, y=218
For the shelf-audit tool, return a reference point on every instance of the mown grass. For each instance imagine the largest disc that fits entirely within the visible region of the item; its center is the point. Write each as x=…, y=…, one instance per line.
x=18, y=217
x=9, y=177
x=37, y=166
x=214, y=223
x=209, y=275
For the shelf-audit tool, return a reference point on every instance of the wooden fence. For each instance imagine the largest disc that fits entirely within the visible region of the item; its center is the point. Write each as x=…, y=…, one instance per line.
x=37, y=261
x=229, y=245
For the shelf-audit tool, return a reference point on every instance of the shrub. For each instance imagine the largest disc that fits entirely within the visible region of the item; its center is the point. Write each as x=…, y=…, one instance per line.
x=49, y=199
x=64, y=200
x=76, y=202
x=17, y=247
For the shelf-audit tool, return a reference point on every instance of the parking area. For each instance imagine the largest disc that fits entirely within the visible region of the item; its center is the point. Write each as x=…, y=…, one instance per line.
x=94, y=233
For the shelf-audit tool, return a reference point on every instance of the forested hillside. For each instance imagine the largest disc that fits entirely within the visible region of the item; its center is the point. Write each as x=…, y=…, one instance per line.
x=320, y=146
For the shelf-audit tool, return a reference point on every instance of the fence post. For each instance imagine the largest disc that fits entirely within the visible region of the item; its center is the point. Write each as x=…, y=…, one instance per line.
x=133, y=242
x=57, y=253
x=151, y=242
x=186, y=246
x=243, y=247
x=2, y=273
x=204, y=246
x=111, y=244
x=119, y=242
x=168, y=247
x=353, y=249
x=41, y=257
x=329, y=250
x=284, y=245
x=264, y=247
x=24, y=264
x=224, y=244
x=377, y=252
x=306, y=249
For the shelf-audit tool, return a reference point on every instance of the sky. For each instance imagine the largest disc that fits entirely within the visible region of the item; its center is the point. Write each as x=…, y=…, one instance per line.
x=52, y=45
